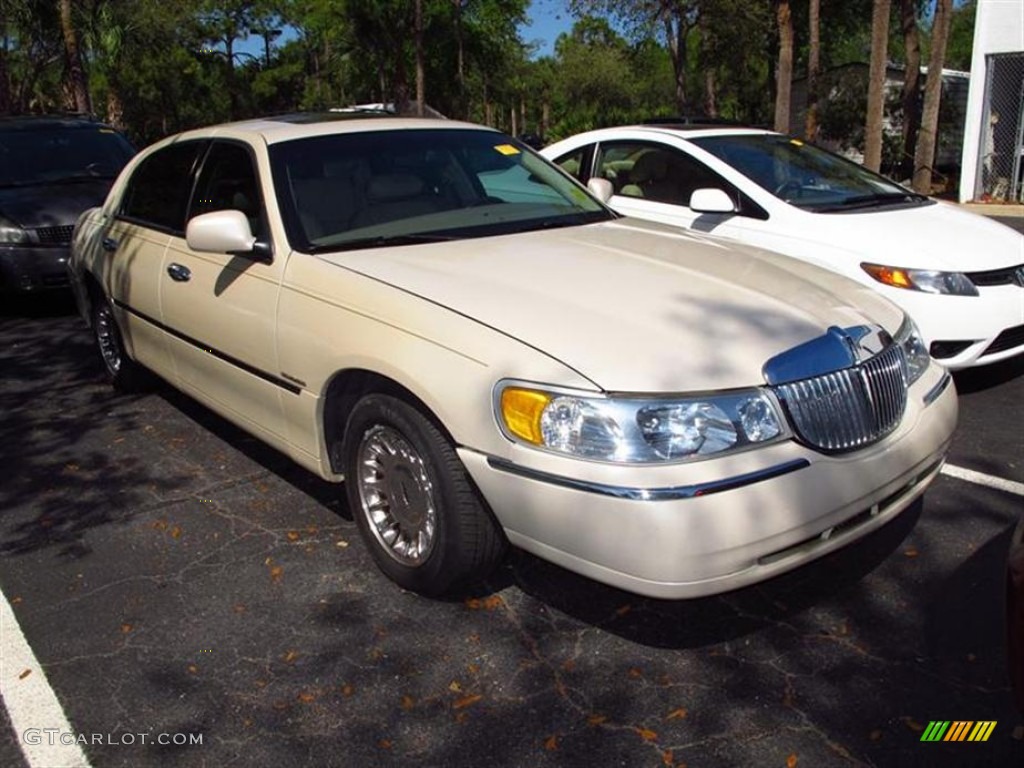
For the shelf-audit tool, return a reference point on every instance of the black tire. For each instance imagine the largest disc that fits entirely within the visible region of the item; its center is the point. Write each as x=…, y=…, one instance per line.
x=419, y=513
x=122, y=372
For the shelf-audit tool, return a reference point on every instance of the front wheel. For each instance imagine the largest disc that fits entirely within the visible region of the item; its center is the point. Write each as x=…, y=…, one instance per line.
x=122, y=372
x=416, y=508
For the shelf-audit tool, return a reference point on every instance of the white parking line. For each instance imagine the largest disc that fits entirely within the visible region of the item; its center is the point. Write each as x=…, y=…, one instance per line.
x=31, y=703
x=980, y=478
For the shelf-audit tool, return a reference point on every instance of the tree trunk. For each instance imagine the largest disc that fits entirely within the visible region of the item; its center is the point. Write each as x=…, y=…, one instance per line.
x=420, y=68
x=460, y=69
x=229, y=73
x=545, y=118
x=927, y=138
x=784, y=72
x=873, y=125
x=911, y=86
x=73, y=61
x=5, y=80
x=710, y=93
x=676, y=37
x=813, y=70
x=115, y=107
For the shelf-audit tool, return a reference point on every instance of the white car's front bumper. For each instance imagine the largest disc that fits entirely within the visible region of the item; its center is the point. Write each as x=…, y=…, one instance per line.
x=779, y=508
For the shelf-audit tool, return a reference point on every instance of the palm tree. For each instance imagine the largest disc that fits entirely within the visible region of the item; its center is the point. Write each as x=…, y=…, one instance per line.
x=73, y=60
x=927, y=137
x=876, y=84
x=911, y=84
x=813, y=69
x=784, y=72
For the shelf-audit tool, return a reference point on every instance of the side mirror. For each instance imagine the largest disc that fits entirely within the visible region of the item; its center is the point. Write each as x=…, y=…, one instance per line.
x=708, y=200
x=224, y=232
x=602, y=189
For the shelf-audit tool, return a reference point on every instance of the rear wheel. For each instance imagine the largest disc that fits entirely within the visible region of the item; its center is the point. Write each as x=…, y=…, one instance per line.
x=416, y=508
x=122, y=372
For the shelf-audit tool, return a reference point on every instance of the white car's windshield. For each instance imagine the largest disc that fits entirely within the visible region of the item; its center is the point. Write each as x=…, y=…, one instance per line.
x=806, y=176
x=360, y=190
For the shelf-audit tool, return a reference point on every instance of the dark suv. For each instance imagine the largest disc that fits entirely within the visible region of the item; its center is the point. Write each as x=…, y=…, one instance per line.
x=51, y=170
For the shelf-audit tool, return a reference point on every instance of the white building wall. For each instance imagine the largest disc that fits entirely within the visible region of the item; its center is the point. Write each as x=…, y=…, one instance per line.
x=998, y=28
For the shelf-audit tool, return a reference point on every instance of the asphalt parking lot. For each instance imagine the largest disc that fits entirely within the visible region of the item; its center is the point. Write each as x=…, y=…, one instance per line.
x=176, y=578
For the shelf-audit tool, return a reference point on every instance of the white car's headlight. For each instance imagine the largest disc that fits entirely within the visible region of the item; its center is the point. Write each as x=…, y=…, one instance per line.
x=925, y=280
x=637, y=430
x=11, y=232
x=914, y=348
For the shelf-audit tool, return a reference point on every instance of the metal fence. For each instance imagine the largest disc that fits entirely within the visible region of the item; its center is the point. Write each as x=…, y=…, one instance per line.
x=1001, y=158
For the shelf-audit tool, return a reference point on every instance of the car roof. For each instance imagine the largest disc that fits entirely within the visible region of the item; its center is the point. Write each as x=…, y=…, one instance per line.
x=35, y=122
x=306, y=124
x=680, y=131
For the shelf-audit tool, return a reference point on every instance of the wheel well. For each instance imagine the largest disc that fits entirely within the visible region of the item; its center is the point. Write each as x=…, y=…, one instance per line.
x=93, y=291
x=346, y=389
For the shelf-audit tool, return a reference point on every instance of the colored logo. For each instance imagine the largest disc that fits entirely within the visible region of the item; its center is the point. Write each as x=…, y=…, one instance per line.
x=958, y=730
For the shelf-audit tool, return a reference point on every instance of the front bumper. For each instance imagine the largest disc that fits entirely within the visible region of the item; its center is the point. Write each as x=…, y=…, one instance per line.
x=25, y=269
x=694, y=544
x=985, y=329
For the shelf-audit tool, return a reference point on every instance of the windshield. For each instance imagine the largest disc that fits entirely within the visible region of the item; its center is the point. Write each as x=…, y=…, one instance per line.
x=806, y=176
x=402, y=187
x=48, y=154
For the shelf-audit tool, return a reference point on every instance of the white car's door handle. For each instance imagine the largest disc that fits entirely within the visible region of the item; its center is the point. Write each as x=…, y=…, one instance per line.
x=179, y=273
x=109, y=244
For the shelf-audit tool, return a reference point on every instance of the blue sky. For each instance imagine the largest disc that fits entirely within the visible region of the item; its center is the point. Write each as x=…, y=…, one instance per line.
x=547, y=20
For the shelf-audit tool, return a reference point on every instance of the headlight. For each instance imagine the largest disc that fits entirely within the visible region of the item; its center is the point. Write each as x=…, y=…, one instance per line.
x=925, y=280
x=11, y=232
x=637, y=430
x=914, y=348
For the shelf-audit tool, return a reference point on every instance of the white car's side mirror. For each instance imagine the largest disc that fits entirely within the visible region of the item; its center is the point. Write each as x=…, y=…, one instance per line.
x=220, y=232
x=709, y=200
x=602, y=189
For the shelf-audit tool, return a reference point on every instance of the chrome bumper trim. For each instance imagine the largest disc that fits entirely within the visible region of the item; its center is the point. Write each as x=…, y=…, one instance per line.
x=933, y=394
x=651, y=494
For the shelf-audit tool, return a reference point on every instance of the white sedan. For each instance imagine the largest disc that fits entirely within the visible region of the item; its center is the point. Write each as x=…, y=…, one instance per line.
x=485, y=354
x=959, y=275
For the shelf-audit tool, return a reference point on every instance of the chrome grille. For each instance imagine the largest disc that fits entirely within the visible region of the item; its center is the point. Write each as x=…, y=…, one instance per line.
x=55, y=235
x=850, y=408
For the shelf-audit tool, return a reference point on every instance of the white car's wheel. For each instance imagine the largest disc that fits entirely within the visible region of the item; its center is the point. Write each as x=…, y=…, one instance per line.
x=416, y=508
x=122, y=372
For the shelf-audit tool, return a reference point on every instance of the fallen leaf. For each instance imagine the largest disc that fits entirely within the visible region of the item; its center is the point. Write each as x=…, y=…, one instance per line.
x=239, y=608
x=289, y=657
x=493, y=602
x=596, y=719
x=875, y=735
x=276, y=572
x=384, y=744
x=912, y=724
x=551, y=742
x=467, y=701
x=461, y=717
x=306, y=697
x=791, y=761
x=176, y=532
x=472, y=668
x=193, y=668
x=667, y=759
x=454, y=686
x=407, y=703
x=15, y=600
x=676, y=714
x=25, y=674
x=910, y=552
x=622, y=610
x=347, y=690
x=293, y=535
x=126, y=628
x=311, y=529
x=341, y=543
x=635, y=673
x=647, y=734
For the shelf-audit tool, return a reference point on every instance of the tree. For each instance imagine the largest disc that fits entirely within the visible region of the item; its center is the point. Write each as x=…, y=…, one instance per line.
x=75, y=71
x=873, y=124
x=784, y=70
x=813, y=69
x=911, y=84
x=927, y=138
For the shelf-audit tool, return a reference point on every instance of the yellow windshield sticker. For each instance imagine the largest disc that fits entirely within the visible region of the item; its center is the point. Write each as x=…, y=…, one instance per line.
x=507, y=149
x=796, y=142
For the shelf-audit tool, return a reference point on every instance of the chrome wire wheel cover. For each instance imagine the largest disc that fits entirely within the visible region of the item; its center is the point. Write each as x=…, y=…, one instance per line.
x=396, y=495
x=106, y=337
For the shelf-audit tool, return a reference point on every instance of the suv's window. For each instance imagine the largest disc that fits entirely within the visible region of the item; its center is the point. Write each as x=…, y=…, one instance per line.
x=228, y=181
x=157, y=193
x=53, y=154
x=655, y=172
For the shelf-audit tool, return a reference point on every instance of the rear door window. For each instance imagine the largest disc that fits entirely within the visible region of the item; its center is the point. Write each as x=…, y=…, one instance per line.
x=157, y=193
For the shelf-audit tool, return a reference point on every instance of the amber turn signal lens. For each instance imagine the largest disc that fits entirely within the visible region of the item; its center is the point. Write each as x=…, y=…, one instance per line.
x=894, y=276
x=521, y=409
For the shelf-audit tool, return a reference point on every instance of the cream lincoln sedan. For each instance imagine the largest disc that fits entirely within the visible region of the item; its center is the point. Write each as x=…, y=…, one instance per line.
x=485, y=354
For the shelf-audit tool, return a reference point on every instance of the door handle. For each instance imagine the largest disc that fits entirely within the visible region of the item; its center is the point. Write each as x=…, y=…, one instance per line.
x=179, y=273
x=109, y=244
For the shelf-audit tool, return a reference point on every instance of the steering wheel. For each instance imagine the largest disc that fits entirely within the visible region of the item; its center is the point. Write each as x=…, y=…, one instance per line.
x=789, y=185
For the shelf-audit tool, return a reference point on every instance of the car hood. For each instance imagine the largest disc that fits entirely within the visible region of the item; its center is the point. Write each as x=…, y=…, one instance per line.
x=51, y=205
x=633, y=306
x=941, y=236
